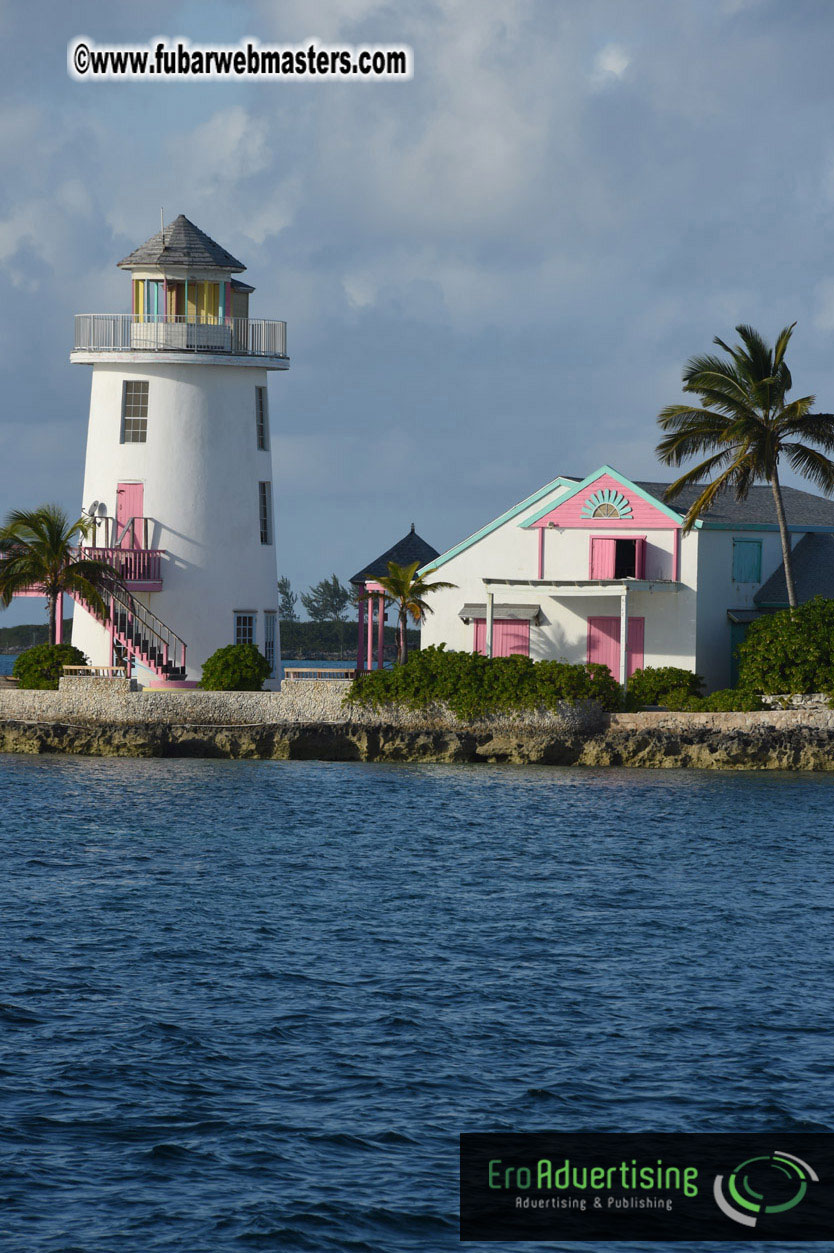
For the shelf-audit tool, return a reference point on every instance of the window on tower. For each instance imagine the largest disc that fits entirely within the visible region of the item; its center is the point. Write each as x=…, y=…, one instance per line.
x=265, y=510
x=269, y=639
x=244, y=628
x=135, y=412
x=261, y=419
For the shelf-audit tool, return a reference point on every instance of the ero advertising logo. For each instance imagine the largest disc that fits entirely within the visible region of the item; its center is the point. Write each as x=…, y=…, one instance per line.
x=651, y=1186
x=763, y=1185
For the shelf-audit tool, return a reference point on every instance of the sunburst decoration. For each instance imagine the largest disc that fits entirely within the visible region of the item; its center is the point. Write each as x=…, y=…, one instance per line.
x=607, y=503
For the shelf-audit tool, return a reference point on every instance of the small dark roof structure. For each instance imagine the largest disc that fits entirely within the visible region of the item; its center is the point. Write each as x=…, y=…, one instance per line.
x=813, y=573
x=409, y=549
x=801, y=508
x=238, y=285
x=182, y=243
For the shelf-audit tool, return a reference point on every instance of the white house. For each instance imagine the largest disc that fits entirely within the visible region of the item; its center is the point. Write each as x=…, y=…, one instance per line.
x=178, y=474
x=581, y=565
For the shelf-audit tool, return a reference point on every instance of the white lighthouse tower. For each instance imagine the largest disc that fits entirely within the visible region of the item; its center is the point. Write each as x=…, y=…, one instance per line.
x=179, y=470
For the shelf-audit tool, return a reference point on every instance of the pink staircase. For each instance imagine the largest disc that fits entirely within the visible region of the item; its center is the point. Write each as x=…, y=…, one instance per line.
x=138, y=634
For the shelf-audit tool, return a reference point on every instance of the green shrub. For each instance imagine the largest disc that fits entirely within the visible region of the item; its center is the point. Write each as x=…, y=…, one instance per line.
x=790, y=651
x=42, y=666
x=652, y=685
x=727, y=700
x=235, y=668
x=473, y=685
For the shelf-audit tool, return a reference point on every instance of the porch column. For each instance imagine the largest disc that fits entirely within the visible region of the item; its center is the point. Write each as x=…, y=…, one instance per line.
x=624, y=638
x=380, y=638
x=369, y=643
x=360, y=628
x=490, y=614
x=59, y=619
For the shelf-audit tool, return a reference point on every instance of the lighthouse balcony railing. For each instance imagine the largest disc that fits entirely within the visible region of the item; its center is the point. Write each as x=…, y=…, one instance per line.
x=139, y=569
x=123, y=332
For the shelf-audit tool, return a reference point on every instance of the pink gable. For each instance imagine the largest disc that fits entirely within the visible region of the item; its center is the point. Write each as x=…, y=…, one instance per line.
x=631, y=509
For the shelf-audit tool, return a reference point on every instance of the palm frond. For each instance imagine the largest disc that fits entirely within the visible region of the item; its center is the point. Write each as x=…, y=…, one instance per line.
x=812, y=465
x=697, y=473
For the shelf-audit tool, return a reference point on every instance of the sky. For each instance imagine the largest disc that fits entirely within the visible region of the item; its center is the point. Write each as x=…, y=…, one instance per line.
x=492, y=274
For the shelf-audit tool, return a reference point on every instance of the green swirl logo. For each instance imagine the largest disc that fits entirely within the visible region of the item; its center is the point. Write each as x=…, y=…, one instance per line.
x=763, y=1185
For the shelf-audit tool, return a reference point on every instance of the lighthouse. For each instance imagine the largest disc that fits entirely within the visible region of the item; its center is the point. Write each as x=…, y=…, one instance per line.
x=178, y=474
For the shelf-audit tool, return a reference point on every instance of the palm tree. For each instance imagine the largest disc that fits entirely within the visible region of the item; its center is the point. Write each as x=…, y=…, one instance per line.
x=746, y=425
x=408, y=591
x=39, y=549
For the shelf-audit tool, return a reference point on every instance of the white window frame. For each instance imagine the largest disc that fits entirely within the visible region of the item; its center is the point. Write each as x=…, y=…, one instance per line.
x=271, y=638
x=262, y=419
x=265, y=511
x=241, y=616
x=137, y=432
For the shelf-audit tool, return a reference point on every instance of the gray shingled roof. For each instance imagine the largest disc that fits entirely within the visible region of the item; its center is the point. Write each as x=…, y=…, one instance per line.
x=410, y=548
x=813, y=573
x=801, y=508
x=183, y=244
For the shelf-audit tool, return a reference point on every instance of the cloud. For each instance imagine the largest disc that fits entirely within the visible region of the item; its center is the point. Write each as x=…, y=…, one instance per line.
x=610, y=64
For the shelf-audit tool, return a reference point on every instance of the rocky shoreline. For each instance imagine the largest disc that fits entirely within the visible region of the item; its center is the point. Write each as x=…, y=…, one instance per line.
x=310, y=721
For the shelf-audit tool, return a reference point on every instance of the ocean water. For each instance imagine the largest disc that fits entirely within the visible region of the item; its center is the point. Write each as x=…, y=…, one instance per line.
x=251, y=1005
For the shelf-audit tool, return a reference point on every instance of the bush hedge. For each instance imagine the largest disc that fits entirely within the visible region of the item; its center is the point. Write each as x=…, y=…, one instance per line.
x=235, y=668
x=790, y=651
x=726, y=700
x=41, y=667
x=473, y=685
x=653, y=684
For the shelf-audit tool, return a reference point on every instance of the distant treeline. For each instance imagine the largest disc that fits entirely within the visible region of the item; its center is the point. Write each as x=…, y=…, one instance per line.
x=15, y=639
x=303, y=640
x=299, y=640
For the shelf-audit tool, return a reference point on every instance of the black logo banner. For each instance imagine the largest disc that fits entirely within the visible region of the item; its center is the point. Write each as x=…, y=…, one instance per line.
x=767, y=1186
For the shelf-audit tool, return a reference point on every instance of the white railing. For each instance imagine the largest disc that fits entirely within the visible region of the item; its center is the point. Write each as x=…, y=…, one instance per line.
x=121, y=332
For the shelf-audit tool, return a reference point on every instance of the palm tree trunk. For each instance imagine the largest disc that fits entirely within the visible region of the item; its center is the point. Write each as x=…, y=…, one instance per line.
x=53, y=618
x=403, y=649
x=787, y=556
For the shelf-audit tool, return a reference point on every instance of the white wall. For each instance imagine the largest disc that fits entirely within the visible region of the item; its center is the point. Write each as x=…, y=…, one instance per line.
x=200, y=468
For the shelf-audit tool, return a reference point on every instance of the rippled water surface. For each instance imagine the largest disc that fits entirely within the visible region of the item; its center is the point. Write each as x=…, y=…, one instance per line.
x=252, y=1005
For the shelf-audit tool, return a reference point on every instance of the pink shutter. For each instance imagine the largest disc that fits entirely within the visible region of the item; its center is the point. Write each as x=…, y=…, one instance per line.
x=636, y=633
x=508, y=637
x=640, y=560
x=604, y=644
x=603, y=553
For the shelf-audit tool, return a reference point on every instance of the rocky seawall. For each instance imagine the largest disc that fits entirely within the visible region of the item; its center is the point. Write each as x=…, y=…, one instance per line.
x=309, y=721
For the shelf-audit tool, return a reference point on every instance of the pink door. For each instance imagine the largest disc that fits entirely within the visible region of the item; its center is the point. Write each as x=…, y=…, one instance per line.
x=130, y=500
x=603, y=554
x=509, y=636
x=604, y=644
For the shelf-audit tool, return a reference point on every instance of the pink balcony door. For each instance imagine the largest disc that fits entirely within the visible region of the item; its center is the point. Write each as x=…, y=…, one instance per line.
x=509, y=636
x=130, y=503
x=604, y=644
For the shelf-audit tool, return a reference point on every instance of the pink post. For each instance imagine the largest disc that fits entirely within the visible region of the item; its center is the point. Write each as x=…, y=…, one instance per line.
x=370, y=639
x=59, y=619
x=228, y=302
x=360, y=629
x=380, y=639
